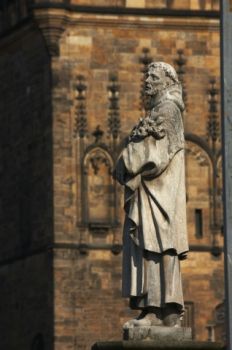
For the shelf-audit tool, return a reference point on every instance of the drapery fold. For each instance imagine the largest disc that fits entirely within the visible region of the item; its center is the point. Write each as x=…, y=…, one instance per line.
x=155, y=233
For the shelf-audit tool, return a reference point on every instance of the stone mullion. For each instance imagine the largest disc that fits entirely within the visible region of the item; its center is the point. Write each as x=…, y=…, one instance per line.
x=81, y=132
x=114, y=115
x=213, y=136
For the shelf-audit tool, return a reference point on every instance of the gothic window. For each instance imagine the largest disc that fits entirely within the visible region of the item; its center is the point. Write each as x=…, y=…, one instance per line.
x=220, y=334
x=188, y=319
x=99, y=188
x=198, y=166
x=198, y=223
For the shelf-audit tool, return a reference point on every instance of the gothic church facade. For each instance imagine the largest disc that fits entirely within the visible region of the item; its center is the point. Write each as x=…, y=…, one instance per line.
x=72, y=74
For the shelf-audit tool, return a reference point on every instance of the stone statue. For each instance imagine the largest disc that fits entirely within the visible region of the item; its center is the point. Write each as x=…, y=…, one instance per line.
x=151, y=167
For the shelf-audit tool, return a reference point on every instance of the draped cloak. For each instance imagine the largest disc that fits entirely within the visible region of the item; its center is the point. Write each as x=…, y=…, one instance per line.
x=152, y=171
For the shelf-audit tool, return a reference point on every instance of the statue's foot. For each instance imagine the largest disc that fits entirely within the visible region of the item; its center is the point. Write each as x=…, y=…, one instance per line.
x=149, y=320
x=131, y=323
x=128, y=324
x=172, y=316
x=172, y=320
x=145, y=319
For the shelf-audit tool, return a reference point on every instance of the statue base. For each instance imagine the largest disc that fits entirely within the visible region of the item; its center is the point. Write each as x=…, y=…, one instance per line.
x=157, y=345
x=158, y=333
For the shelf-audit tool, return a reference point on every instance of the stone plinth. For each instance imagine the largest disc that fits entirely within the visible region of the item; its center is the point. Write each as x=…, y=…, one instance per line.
x=156, y=345
x=158, y=333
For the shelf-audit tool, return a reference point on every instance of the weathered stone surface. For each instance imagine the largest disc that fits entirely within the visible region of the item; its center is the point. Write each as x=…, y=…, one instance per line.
x=25, y=191
x=151, y=169
x=97, y=276
x=32, y=170
x=158, y=333
x=156, y=345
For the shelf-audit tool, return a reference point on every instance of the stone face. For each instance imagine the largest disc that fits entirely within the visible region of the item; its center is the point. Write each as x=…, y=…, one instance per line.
x=159, y=334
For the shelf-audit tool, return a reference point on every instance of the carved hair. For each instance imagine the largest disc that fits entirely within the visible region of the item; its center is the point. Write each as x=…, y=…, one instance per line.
x=167, y=68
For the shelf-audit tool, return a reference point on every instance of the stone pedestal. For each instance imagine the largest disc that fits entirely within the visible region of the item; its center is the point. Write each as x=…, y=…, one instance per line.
x=157, y=338
x=158, y=333
x=157, y=345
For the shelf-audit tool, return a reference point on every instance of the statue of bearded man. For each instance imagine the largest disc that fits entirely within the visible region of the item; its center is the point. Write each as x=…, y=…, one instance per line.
x=151, y=168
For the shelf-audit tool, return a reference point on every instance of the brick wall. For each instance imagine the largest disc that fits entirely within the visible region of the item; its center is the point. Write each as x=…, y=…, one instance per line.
x=48, y=169
x=88, y=304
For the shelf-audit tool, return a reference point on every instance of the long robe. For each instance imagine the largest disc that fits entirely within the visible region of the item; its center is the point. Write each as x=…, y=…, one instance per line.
x=152, y=171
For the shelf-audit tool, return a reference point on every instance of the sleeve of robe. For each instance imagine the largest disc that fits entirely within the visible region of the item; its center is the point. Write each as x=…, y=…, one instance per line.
x=146, y=158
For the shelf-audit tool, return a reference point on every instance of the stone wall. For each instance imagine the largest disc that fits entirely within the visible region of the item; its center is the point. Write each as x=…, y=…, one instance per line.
x=151, y=4
x=88, y=304
x=26, y=213
x=64, y=121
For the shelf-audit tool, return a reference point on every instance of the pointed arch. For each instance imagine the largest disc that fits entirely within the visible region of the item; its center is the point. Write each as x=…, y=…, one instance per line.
x=199, y=171
x=99, y=188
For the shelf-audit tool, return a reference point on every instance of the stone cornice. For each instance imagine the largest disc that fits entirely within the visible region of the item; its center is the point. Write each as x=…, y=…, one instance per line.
x=132, y=22
x=116, y=10
x=83, y=248
x=52, y=20
x=52, y=23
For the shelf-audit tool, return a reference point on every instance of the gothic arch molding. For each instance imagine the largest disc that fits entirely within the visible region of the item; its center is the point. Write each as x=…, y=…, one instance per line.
x=98, y=188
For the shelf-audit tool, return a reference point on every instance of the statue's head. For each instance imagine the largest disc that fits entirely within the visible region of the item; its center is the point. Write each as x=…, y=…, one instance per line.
x=160, y=75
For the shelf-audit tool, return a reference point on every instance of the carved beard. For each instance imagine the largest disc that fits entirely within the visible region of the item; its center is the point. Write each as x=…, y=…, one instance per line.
x=155, y=89
x=152, y=91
